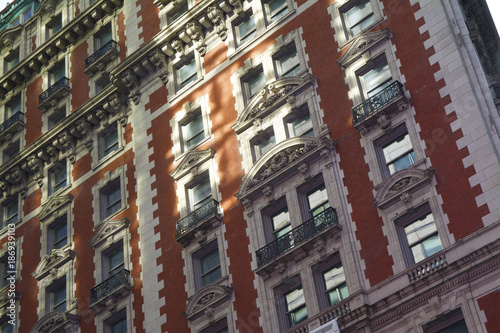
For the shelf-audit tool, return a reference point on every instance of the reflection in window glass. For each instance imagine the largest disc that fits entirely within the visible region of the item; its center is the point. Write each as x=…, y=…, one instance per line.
x=277, y=9
x=399, y=154
x=295, y=306
x=246, y=30
x=423, y=238
x=210, y=268
x=377, y=79
x=359, y=17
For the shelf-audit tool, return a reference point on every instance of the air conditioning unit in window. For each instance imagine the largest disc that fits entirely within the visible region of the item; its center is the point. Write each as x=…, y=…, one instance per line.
x=330, y=327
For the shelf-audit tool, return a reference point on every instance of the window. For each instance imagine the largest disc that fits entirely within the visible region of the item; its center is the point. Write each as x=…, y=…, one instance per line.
x=263, y=142
x=375, y=79
x=116, y=323
x=11, y=60
x=419, y=237
x=111, y=199
x=11, y=151
x=276, y=9
x=12, y=107
x=253, y=84
x=358, y=17
x=113, y=261
x=245, y=30
x=290, y=303
x=16, y=22
x=452, y=322
x=10, y=211
x=58, y=233
x=56, y=296
x=395, y=151
x=57, y=116
x=201, y=194
x=207, y=265
x=334, y=284
x=218, y=327
x=102, y=83
x=299, y=123
x=8, y=271
x=27, y=14
x=281, y=223
x=7, y=328
x=193, y=131
x=108, y=141
x=58, y=177
x=317, y=200
x=56, y=73
x=53, y=26
x=102, y=37
x=177, y=12
x=287, y=63
x=186, y=73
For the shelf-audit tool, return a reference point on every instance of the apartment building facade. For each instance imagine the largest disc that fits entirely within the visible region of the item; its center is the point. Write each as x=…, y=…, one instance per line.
x=249, y=166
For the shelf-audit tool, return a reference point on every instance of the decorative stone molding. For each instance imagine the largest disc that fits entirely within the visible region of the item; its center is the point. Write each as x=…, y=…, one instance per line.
x=84, y=129
x=362, y=44
x=217, y=17
x=54, y=207
x=210, y=296
x=117, y=106
x=269, y=98
x=67, y=144
x=57, y=321
x=159, y=60
x=15, y=180
x=107, y=231
x=37, y=166
x=191, y=161
x=282, y=159
x=51, y=263
x=400, y=185
x=195, y=32
x=131, y=81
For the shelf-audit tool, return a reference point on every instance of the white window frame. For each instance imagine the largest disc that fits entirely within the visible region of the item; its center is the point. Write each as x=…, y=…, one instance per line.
x=249, y=77
x=51, y=228
x=98, y=158
x=61, y=214
x=62, y=164
x=263, y=136
x=337, y=10
x=111, y=180
x=3, y=207
x=188, y=112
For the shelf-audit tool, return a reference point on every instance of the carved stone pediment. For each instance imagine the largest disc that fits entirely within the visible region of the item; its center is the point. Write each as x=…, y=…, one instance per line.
x=56, y=321
x=286, y=157
x=51, y=263
x=400, y=185
x=208, y=297
x=107, y=230
x=270, y=97
x=53, y=207
x=192, y=159
x=361, y=44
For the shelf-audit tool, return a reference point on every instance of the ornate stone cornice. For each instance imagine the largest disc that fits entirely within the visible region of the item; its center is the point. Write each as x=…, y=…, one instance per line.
x=62, y=141
x=270, y=97
x=52, y=208
x=56, y=321
x=284, y=158
x=191, y=161
x=361, y=44
x=107, y=230
x=400, y=185
x=69, y=34
x=208, y=297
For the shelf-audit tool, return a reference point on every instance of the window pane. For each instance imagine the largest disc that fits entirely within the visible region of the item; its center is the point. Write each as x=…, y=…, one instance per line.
x=278, y=9
x=202, y=193
x=246, y=30
x=59, y=74
x=289, y=64
x=281, y=223
x=303, y=126
x=59, y=299
x=403, y=162
x=459, y=327
x=210, y=268
x=334, y=277
x=60, y=236
x=111, y=142
x=175, y=14
x=120, y=326
x=113, y=201
x=295, y=305
x=12, y=211
x=360, y=17
x=15, y=23
x=317, y=200
x=104, y=38
x=398, y=154
x=187, y=73
x=60, y=178
x=194, y=132
x=116, y=261
x=423, y=238
x=57, y=117
x=256, y=84
x=266, y=145
x=27, y=15
x=7, y=328
x=377, y=79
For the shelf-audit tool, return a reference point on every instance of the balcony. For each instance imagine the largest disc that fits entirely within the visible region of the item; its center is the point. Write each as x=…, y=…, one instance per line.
x=11, y=126
x=110, y=291
x=51, y=96
x=195, y=224
x=97, y=61
x=378, y=108
x=298, y=241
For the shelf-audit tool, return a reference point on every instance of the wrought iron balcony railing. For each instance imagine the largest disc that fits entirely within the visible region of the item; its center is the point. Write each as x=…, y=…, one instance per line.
x=296, y=236
x=377, y=102
x=111, y=45
x=196, y=217
x=62, y=83
x=17, y=117
x=105, y=288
